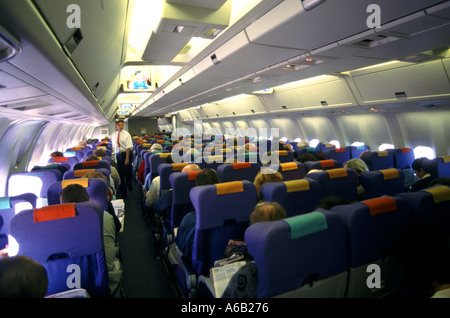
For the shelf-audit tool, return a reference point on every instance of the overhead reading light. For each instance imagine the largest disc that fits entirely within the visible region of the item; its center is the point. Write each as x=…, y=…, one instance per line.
x=308, y=5
x=9, y=48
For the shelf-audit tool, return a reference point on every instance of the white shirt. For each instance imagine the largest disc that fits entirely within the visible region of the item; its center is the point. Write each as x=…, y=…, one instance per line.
x=124, y=140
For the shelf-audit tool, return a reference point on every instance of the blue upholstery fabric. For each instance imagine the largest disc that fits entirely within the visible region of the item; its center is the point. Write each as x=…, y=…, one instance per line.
x=378, y=160
x=375, y=183
x=345, y=186
x=228, y=172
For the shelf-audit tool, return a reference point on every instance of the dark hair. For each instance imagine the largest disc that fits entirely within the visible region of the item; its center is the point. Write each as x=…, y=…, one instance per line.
x=56, y=154
x=120, y=121
x=207, y=176
x=92, y=158
x=22, y=277
x=168, y=159
x=331, y=201
x=417, y=163
x=74, y=193
x=100, y=153
x=306, y=157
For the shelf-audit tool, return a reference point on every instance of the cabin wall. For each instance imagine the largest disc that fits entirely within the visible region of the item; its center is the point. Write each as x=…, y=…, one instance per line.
x=135, y=125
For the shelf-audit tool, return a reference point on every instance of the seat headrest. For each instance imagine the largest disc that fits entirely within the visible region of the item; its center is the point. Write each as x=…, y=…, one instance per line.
x=382, y=153
x=178, y=166
x=287, y=166
x=60, y=159
x=281, y=152
x=440, y=194
x=230, y=187
x=82, y=172
x=241, y=165
x=337, y=173
x=381, y=205
x=390, y=174
x=54, y=212
x=5, y=203
x=84, y=182
x=76, y=148
x=342, y=149
x=92, y=163
x=296, y=185
x=403, y=150
x=164, y=154
x=445, y=158
x=306, y=224
x=326, y=163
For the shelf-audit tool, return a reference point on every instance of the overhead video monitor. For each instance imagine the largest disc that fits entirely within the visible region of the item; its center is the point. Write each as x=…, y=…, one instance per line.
x=139, y=79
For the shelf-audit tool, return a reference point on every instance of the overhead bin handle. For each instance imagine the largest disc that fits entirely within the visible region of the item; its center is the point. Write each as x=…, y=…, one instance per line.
x=9, y=47
x=309, y=5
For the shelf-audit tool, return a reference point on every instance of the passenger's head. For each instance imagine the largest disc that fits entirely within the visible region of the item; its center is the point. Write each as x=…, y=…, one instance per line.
x=95, y=174
x=55, y=154
x=306, y=157
x=190, y=167
x=356, y=164
x=269, y=175
x=267, y=211
x=22, y=277
x=100, y=152
x=302, y=144
x=425, y=255
x=92, y=158
x=156, y=147
x=207, y=176
x=74, y=193
x=331, y=201
x=417, y=166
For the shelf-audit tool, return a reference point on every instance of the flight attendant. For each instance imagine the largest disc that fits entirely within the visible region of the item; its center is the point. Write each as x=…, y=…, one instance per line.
x=123, y=148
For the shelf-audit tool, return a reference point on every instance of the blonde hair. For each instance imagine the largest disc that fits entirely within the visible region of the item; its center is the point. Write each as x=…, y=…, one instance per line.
x=269, y=176
x=266, y=212
x=356, y=164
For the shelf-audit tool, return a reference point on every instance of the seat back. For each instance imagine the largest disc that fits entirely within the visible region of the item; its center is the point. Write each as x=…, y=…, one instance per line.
x=238, y=171
x=75, y=174
x=372, y=226
x=380, y=182
x=378, y=160
x=67, y=240
x=322, y=165
x=295, y=196
x=155, y=161
x=36, y=182
x=285, y=156
x=431, y=205
x=165, y=170
x=181, y=183
x=222, y=213
x=340, y=182
x=339, y=154
x=292, y=170
x=94, y=164
x=61, y=167
x=356, y=152
x=438, y=167
x=71, y=161
x=95, y=187
x=10, y=206
x=301, y=256
x=403, y=157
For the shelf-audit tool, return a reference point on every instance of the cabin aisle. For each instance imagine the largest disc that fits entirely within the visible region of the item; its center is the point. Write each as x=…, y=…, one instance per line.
x=144, y=276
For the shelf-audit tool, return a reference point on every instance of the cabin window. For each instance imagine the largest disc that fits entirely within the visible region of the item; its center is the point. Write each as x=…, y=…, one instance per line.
x=336, y=143
x=284, y=139
x=423, y=151
x=385, y=146
x=357, y=144
x=313, y=143
x=297, y=140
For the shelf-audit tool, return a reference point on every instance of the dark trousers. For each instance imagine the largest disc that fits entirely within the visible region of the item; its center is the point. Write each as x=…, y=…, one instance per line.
x=125, y=173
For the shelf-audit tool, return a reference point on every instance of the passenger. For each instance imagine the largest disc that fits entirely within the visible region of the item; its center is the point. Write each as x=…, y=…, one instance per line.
x=22, y=277
x=244, y=283
x=92, y=158
x=330, y=201
x=109, y=197
x=185, y=233
x=424, y=176
x=123, y=148
x=55, y=154
x=156, y=148
x=302, y=144
x=306, y=157
x=75, y=193
x=101, y=152
x=269, y=176
x=425, y=255
x=359, y=166
x=152, y=194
